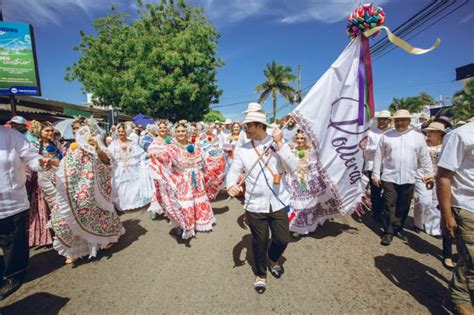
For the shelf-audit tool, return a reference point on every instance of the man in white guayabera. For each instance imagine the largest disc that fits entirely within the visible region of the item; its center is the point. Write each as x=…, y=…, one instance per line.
x=384, y=118
x=398, y=155
x=266, y=192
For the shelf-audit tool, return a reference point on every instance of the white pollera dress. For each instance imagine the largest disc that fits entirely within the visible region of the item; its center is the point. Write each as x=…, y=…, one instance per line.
x=132, y=186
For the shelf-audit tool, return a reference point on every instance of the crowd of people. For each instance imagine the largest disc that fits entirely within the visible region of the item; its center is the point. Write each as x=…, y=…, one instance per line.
x=69, y=194
x=433, y=161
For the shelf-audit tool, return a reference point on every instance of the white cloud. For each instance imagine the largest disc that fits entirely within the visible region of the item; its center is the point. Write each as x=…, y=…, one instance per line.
x=285, y=11
x=467, y=18
x=232, y=11
x=221, y=11
x=49, y=11
x=324, y=11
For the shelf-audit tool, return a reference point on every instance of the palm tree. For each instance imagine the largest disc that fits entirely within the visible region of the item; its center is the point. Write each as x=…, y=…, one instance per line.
x=278, y=79
x=463, y=102
x=412, y=104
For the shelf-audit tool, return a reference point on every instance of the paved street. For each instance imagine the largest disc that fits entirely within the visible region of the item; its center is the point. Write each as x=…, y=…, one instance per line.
x=340, y=269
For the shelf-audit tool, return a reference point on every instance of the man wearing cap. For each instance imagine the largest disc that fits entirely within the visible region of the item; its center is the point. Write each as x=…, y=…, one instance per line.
x=373, y=137
x=20, y=124
x=455, y=187
x=399, y=153
x=266, y=195
x=422, y=121
x=15, y=152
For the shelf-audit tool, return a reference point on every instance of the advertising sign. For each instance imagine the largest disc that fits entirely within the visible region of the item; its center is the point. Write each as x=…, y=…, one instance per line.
x=18, y=65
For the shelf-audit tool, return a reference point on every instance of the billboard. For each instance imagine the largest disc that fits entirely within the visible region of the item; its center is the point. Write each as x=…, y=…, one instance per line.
x=18, y=65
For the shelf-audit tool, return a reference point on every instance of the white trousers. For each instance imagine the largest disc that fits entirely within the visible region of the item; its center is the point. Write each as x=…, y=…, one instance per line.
x=427, y=216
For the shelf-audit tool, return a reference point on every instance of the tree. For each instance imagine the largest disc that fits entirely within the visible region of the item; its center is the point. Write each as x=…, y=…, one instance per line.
x=463, y=102
x=213, y=116
x=162, y=64
x=278, y=79
x=414, y=104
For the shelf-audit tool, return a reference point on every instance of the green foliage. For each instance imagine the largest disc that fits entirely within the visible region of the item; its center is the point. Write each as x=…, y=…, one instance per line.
x=212, y=116
x=464, y=102
x=278, y=79
x=162, y=64
x=414, y=104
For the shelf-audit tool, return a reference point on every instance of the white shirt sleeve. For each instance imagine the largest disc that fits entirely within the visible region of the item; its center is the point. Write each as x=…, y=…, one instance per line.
x=236, y=169
x=371, y=146
x=424, y=158
x=27, y=152
x=452, y=152
x=378, y=160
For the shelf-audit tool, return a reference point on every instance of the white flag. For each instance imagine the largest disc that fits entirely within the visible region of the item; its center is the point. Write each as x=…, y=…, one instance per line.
x=329, y=115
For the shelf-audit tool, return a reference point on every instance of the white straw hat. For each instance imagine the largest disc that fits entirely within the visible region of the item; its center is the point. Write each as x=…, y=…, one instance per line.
x=228, y=121
x=257, y=116
x=384, y=114
x=253, y=107
x=402, y=113
x=436, y=126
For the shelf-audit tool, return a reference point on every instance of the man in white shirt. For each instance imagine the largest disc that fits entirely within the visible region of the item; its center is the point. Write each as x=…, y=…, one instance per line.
x=384, y=119
x=455, y=190
x=227, y=127
x=266, y=193
x=220, y=135
x=15, y=152
x=290, y=130
x=399, y=154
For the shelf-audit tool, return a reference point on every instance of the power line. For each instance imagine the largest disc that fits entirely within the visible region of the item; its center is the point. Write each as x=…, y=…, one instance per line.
x=379, y=49
x=433, y=22
x=407, y=26
x=429, y=17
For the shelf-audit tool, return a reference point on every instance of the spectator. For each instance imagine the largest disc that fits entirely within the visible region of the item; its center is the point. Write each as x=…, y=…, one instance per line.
x=455, y=187
x=14, y=206
x=384, y=119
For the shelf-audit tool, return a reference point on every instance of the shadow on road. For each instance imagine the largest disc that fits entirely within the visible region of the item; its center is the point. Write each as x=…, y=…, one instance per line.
x=242, y=221
x=43, y=263
x=242, y=253
x=244, y=245
x=415, y=242
x=422, y=282
x=220, y=210
x=133, y=231
x=328, y=229
x=174, y=233
x=222, y=195
x=38, y=303
x=421, y=246
x=369, y=222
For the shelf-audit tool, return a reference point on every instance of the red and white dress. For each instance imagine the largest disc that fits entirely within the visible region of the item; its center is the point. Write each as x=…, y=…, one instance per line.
x=183, y=190
x=155, y=150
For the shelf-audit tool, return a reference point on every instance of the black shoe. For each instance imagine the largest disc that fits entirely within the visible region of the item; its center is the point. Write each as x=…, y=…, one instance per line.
x=260, y=285
x=277, y=271
x=386, y=239
x=9, y=286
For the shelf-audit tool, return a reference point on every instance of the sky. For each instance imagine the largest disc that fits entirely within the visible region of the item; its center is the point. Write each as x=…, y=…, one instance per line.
x=310, y=33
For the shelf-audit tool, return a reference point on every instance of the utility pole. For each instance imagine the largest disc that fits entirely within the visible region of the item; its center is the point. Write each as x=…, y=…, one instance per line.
x=12, y=97
x=298, y=93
